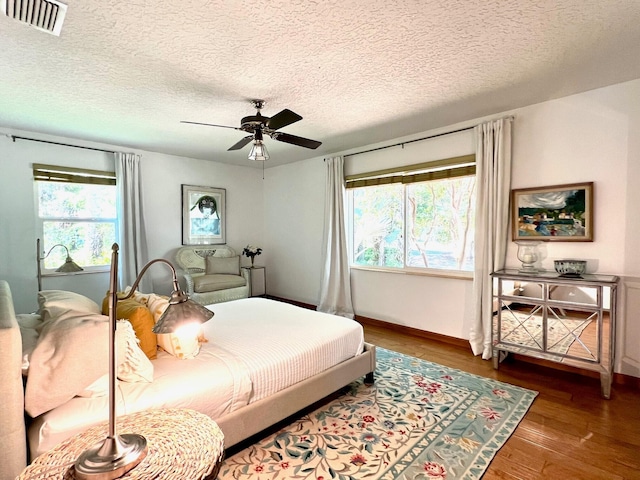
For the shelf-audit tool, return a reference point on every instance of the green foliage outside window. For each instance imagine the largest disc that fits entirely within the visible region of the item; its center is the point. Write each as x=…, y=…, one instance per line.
x=81, y=217
x=419, y=225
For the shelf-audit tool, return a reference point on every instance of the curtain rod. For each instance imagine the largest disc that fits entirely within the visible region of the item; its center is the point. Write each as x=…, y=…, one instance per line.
x=411, y=141
x=15, y=137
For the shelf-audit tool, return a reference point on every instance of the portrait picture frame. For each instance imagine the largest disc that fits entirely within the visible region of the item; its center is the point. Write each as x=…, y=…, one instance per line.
x=203, y=215
x=557, y=213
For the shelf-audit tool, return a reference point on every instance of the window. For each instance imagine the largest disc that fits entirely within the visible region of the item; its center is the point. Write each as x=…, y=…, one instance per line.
x=419, y=217
x=76, y=208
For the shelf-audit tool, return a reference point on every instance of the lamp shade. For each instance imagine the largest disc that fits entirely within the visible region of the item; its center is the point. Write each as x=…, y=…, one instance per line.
x=69, y=266
x=181, y=311
x=259, y=151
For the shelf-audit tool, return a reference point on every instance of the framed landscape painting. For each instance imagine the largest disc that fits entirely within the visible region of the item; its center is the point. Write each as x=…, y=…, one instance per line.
x=561, y=213
x=203, y=215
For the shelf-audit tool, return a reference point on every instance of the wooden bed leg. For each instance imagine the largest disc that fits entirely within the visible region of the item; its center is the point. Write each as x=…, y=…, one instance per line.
x=369, y=379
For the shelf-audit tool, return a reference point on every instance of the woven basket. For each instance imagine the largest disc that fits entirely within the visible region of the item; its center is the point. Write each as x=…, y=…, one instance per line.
x=182, y=445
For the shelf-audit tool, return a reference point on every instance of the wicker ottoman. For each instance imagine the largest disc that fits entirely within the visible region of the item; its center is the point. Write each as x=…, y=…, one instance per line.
x=183, y=445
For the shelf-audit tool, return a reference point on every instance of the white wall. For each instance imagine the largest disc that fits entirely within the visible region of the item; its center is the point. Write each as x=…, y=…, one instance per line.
x=572, y=140
x=18, y=222
x=163, y=176
x=294, y=221
x=592, y=136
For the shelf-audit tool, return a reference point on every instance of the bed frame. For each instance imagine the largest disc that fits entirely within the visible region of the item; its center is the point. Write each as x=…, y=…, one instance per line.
x=236, y=426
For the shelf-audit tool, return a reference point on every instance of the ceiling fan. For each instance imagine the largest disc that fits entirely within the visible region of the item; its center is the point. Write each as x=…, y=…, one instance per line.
x=258, y=126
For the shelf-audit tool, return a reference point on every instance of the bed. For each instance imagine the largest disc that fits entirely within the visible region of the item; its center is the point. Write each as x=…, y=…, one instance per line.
x=247, y=376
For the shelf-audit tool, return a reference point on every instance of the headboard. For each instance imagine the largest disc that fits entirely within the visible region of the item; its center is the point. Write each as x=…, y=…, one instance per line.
x=13, y=439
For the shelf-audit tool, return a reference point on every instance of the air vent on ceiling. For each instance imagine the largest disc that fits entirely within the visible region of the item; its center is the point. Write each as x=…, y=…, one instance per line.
x=45, y=15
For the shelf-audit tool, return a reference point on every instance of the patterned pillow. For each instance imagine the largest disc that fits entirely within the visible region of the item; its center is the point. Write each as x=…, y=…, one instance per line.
x=157, y=304
x=183, y=344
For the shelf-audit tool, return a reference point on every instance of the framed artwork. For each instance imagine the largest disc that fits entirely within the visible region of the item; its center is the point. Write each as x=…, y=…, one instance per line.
x=561, y=213
x=203, y=215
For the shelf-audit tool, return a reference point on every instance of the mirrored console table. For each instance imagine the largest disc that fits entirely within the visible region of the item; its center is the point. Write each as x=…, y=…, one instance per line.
x=569, y=320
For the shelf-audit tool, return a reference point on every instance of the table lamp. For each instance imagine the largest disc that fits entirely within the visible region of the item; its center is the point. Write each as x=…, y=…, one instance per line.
x=118, y=454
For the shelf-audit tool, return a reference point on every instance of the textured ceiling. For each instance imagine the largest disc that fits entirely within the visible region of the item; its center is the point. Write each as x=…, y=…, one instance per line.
x=359, y=72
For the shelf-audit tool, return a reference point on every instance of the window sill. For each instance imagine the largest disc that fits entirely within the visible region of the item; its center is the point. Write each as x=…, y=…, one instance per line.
x=432, y=272
x=66, y=274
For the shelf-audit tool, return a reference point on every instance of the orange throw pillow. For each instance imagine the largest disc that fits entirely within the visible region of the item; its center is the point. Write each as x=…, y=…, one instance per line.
x=141, y=320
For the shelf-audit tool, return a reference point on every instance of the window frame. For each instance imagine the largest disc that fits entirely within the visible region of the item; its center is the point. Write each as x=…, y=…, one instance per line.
x=440, y=169
x=69, y=175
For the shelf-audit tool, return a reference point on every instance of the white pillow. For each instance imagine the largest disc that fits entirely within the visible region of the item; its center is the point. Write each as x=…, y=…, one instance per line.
x=183, y=344
x=133, y=364
x=54, y=303
x=99, y=388
x=137, y=295
x=29, y=324
x=72, y=353
x=157, y=305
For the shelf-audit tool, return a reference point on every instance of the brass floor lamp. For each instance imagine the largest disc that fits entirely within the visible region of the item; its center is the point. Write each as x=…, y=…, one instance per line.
x=68, y=266
x=118, y=454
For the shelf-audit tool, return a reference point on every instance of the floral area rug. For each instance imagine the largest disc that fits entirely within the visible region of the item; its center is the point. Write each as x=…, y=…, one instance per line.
x=523, y=328
x=419, y=421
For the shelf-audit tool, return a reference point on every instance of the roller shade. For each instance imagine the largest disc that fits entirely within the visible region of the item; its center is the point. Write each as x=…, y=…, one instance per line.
x=54, y=173
x=436, y=170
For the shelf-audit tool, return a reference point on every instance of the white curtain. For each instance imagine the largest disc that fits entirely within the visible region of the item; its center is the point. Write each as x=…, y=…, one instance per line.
x=335, y=293
x=133, y=239
x=493, y=180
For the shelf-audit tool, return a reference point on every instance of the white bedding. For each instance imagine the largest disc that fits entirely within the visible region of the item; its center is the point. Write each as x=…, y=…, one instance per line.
x=255, y=348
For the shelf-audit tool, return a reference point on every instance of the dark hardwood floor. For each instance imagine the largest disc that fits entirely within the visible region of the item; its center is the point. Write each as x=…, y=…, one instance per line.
x=570, y=432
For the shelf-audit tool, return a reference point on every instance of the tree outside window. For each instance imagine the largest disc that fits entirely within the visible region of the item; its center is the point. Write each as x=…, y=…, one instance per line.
x=416, y=225
x=82, y=217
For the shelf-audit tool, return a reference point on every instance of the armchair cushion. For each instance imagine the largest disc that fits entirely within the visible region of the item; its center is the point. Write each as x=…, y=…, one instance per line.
x=215, y=282
x=219, y=265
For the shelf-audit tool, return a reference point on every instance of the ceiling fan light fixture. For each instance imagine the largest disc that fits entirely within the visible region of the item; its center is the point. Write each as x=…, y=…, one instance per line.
x=258, y=151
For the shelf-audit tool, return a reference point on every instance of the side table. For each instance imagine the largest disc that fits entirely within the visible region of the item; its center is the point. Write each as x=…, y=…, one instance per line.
x=182, y=444
x=568, y=320
x=258, y=281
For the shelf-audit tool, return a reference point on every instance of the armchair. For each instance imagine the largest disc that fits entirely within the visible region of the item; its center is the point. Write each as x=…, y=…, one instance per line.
x=212, y=281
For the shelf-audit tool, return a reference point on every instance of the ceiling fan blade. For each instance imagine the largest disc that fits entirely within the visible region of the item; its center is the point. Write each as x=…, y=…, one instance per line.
x=294, y=140
x=282, y=119
x=241, y=143
x=209, y=124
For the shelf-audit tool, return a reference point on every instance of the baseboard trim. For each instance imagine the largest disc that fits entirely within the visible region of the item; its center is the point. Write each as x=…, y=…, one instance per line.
x=618, y=378
x=293, y=302
x=414, y=332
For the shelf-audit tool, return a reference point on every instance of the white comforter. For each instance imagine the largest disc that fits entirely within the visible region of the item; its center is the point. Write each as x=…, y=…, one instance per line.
x=255, y=348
